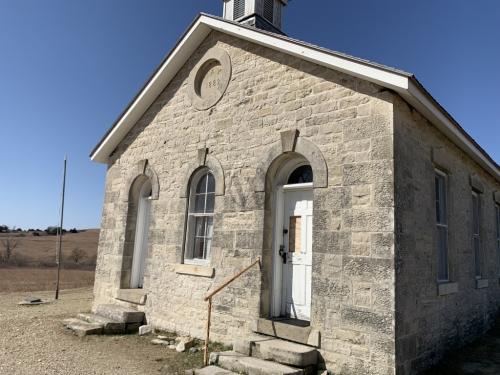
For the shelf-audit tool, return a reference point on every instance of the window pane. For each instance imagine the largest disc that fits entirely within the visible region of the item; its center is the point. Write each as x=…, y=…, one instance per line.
x=199, y=205
x=210, y=183
x=475, y=213
x=438, y=210
x=210, y=203
x=199, y=245
x=202, y=185
x=200, y=227
x=301, y=175
x=441, y=213
x=498, y=221
x=210, y=227
x=208, y=247
x=477, y=256
x=443, y=253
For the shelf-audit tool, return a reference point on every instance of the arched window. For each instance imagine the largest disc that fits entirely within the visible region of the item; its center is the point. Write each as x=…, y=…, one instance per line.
x=141, y=237
x=301, y=175
x=200, y=226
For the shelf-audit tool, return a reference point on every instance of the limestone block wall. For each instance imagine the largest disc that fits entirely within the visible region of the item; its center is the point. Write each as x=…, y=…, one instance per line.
x=350, y=121
x=431, y=319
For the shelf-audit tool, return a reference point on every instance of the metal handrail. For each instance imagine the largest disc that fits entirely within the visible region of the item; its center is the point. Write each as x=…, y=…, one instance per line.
x=208, y=298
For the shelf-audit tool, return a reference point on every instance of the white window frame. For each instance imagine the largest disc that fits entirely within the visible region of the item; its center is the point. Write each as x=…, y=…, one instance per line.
x=476, y=234
x=442, y=225
x=191, y=221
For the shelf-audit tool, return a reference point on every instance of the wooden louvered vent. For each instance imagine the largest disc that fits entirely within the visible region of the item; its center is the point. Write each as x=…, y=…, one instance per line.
x=239, y=9
x=269, y=10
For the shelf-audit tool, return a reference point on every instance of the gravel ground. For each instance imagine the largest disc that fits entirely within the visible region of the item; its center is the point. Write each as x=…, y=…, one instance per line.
x=33, y=341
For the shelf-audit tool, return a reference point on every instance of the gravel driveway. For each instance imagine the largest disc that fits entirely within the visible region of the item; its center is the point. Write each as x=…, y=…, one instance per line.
x=33, y=341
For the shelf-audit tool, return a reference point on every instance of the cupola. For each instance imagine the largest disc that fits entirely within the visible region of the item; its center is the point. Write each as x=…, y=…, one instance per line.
x=262, y=14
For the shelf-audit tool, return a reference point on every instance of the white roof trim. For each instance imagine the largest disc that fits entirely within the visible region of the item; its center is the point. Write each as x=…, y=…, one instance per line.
x=399, y=82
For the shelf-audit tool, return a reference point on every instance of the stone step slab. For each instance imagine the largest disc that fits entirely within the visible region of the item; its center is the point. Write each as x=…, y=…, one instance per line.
x=82, y=328
x=109, y=326
x=241, y=363
x=210, y=370
x=288, y=329
x=281, y=351
x=120, y=314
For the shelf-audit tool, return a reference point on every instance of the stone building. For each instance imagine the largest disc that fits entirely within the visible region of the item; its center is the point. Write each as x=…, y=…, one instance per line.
x=374, y=214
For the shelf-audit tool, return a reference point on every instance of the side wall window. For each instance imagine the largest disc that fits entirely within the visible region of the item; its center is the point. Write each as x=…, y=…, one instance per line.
x=497, y=213
x=476, y=233
x=441, y=180
x=200, y=217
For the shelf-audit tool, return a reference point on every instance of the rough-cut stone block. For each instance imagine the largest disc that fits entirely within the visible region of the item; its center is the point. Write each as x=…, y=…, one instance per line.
x=367, y=320
x=249, y=365
x=281, y=329
x=476, y=183
x=195, y=270
x=447, y=288
x=109, y=326
x=120, y=314
x=368, y=268
x=210, y=370
x=146, y=329
x=285, y=352
x=82, y=328
x=137, y=296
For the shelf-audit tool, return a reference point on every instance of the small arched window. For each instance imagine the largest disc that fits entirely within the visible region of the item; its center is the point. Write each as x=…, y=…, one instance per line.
x=200, y=225
x=301, y=175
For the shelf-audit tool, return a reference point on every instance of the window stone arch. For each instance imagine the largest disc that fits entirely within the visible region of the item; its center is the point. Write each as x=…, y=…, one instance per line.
x=142, y=168
x=292, y=143
x=208, y=161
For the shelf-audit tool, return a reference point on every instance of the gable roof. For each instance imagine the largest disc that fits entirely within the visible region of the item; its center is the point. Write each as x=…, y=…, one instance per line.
x=405, y=84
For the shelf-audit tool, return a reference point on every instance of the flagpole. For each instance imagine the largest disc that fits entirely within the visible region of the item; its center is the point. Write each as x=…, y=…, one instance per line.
x=59, y=230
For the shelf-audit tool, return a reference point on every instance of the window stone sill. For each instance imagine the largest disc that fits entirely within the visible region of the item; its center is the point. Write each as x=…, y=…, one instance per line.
x=481, y=283
x=447, y=288
x=137, y=296
x=195, y=270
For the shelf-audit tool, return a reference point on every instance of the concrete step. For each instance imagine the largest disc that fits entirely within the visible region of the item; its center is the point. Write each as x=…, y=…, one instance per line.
x=281, y=351
x=289, y=329
x=210, y=370
x=241, y=363
x=109, y=326
x=120, y=314
x=82, y=328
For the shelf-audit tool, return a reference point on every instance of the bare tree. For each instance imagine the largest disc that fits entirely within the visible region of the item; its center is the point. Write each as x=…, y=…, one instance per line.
x=9, y=244
x=77, y=255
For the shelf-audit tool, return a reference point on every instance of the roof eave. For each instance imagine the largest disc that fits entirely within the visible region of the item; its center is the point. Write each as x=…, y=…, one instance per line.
x=401, y=82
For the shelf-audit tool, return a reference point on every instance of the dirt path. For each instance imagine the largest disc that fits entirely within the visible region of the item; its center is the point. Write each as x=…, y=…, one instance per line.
x=33, y=341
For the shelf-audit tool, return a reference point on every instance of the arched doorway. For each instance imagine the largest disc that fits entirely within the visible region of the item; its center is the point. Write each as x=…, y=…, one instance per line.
x=292, y=244
x=141, y=237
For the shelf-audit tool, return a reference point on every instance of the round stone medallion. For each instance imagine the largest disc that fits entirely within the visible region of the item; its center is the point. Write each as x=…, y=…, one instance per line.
x=209, y=78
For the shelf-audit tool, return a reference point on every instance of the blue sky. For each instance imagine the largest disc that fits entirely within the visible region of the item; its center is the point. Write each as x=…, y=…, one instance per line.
x=69, y=67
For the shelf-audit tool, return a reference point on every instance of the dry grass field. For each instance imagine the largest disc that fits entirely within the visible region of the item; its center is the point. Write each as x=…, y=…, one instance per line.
x=24, y=279
x=41, y=250
x=32, y=264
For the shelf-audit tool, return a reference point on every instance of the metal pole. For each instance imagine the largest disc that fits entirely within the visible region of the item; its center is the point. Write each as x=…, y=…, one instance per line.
x=59, y=230
x=207, y=337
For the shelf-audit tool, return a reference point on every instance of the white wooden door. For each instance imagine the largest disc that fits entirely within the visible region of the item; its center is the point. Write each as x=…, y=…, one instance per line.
x=297, y=225
x=141, y=240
